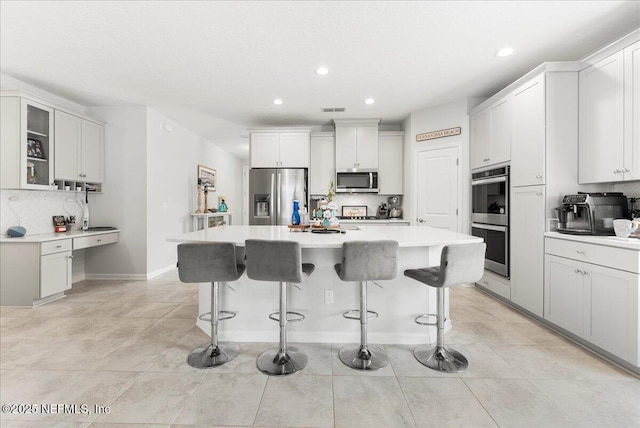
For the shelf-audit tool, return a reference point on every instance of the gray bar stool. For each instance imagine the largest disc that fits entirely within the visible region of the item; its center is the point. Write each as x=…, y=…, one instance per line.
x=366, y=261
x=459, y=264
x=279, y=261
x=213, y=262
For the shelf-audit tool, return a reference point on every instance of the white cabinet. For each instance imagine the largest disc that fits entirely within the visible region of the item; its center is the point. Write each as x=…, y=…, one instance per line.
x=55, y=273
x=564, y=294
x=271, y=149
x=609, y=124
x=491, y=134
x=500, y=114
x=527, y=247
x=322, y=163
x=356, y=144
x=597, y=303
x=528, y=147
x=79, y=149
x=26, y=144
x=390, y=170
x=32, y=271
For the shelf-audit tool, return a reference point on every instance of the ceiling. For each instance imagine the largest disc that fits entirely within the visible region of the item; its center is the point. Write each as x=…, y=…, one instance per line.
x=215, y=67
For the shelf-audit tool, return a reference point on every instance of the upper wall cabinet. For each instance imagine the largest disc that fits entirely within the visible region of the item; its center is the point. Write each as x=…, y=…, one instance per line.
x=390, y=150
x=322, y=169
x=26, y=144
x=610, y=119
x=528, y=148
x=79, y=149
x=357, y=144
x=491, y=134
x=280, y=148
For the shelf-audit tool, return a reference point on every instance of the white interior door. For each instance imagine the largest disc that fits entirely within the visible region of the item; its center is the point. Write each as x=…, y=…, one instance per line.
x=437, y=188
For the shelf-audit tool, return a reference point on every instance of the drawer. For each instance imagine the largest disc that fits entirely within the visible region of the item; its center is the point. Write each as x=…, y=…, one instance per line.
x=52, y=247
x=617, y=258
x=94, y=240
x=500, y=287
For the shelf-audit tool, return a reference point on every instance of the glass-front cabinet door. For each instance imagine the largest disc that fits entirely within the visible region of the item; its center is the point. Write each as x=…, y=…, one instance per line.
x=36, y=154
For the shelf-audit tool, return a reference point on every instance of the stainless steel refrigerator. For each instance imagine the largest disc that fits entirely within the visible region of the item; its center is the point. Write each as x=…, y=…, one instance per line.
x=272, y=192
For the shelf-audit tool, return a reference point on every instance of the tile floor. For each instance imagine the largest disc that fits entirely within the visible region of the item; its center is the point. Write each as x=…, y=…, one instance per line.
x=124, y=344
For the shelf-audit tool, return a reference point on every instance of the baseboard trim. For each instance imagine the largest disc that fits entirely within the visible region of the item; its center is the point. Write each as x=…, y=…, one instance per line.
x=116, y=276
x=161, y=271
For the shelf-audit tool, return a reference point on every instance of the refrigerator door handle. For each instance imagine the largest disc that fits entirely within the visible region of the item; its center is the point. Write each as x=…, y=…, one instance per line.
x=272, y=209
x=275, y=219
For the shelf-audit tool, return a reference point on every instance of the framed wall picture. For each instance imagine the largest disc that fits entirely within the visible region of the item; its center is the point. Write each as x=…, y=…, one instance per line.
x=207, y=177
x=34, y=148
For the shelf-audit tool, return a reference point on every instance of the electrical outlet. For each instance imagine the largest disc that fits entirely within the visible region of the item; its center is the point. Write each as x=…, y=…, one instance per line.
x=328, y=296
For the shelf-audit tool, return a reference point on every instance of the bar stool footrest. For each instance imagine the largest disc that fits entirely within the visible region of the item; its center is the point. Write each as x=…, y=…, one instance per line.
x=297, y=316
x=227, y=315
x=355, y=314
x=419, y=319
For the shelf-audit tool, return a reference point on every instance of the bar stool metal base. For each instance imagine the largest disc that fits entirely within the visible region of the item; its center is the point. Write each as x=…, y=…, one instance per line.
x=211, y=356
x=440, y=358
x=371, y=357
x=275, y=363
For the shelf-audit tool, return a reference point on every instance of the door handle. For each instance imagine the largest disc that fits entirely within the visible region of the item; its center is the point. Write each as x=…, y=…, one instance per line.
x=420, y=220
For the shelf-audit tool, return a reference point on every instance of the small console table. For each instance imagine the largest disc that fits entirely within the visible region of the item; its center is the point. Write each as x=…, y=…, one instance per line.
x=201, y=221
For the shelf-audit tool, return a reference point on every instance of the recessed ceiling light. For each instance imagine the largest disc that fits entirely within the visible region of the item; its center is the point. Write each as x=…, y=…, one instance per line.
x=369, y=101
x=322, y=71
x=277, y=101
x=504, y=52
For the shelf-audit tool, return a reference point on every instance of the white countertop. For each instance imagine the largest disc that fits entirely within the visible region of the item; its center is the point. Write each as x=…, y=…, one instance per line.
x=44, y=237
x=610, y=241
x=407, y=236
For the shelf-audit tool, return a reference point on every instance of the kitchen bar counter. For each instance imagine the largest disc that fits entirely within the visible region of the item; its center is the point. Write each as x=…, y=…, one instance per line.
x=324, y=297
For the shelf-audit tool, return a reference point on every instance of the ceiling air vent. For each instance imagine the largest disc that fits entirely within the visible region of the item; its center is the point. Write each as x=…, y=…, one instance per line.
x=333, y=109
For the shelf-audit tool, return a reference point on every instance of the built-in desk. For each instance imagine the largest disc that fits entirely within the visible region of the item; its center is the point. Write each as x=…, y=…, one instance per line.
x=37, y=269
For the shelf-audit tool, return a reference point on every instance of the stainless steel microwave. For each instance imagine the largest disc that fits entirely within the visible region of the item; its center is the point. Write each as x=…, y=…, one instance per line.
x=356, y=181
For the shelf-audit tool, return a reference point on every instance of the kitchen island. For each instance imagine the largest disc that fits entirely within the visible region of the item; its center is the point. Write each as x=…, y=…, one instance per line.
x=323, y=297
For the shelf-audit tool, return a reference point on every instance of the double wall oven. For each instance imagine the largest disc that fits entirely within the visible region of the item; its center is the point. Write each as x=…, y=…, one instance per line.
x=490, y=216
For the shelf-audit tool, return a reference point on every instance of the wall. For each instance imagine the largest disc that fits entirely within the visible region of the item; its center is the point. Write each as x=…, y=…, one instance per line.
x=432, y=119
x=123, y=202
x=173, y=154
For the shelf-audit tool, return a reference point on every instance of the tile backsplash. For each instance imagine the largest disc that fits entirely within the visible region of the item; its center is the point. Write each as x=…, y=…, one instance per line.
x=33, y=209
x=372, y=201
x=630, y=189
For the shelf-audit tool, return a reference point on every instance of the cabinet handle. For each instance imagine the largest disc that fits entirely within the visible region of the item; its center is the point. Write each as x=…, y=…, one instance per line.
x=99, y=240
x=576, y=270
x=616, y=171
x=625, y=170
x=538, y=193
x=580, y=252
x=58, y=246
x=486, y=159
x=70, y=257
x=538, y=176
x=485, y=282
